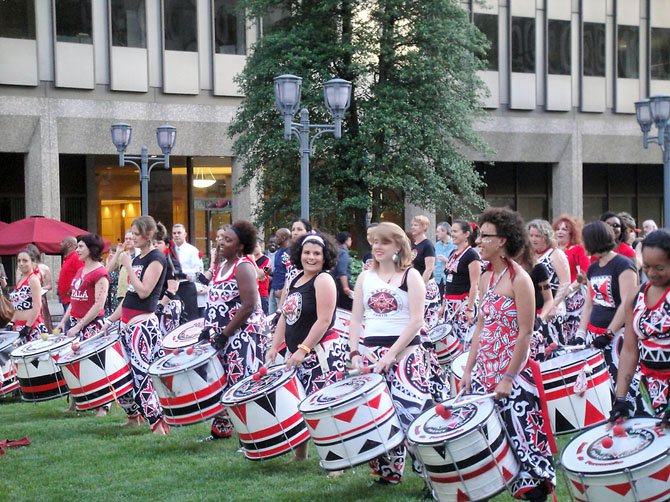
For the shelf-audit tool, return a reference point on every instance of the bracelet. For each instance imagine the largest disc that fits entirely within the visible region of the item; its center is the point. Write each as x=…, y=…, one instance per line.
x=304, y=347
x=354, y=353
x=169, y=294
x=511, y=376
x=619, y=399
x=609, y=333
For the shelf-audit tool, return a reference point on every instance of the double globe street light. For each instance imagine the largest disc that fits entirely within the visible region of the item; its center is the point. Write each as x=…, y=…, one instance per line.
x=165, y=137
x=337, y=95
x=656, y=111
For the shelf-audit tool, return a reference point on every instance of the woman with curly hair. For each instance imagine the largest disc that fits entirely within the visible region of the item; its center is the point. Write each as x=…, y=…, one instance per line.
x=307, y=315
x=233, y=315
x=498, y=359
x=569, y=237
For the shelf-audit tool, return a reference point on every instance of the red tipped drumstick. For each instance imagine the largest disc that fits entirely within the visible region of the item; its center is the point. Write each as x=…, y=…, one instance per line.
x=353, y=372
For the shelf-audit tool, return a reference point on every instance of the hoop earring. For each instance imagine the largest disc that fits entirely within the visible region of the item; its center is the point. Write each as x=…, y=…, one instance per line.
x=396, y=258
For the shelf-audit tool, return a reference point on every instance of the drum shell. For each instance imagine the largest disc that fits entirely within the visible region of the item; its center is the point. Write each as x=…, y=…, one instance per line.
x=457, y=370
x=341, y=325
x=354, y=431
x=473, y=465
x=99, y=377
x=447, y=345
x=183, y=336
x=642, y=480
x=40, y=379
x=8, y=380
x=268, y=423
x=570, y=411
x=190, y=394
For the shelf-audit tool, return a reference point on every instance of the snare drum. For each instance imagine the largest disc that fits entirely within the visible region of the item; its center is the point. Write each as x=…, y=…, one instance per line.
x=352, y=421
x=466, y=456
x=265, y=413
x=97, y=373
x=457, y=371
x=636, y=466
x=446, y=343
x=184, y=336
x=578, y=390
x=189, y=385
x=8, y=380
x=39, y=377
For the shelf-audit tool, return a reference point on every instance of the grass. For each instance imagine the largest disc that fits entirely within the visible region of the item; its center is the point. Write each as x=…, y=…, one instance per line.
x=81, y=457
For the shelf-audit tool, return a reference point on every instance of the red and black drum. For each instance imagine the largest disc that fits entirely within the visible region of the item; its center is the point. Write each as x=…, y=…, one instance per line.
x=8, y=381
x=578, y=390
x=446, y=343
x=40, y=379
x=97, y=372
x=633, y=465
x=264, y=412
x=466, y=456
x=189, y=384
x=352, y=421
x=184, y=336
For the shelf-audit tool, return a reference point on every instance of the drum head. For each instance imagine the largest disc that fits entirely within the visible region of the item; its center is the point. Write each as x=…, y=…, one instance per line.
x=429, y=427
x=185, y=335
x=439, y=332
x=458, y=364
x=7, y=338
x=41, y=346
x=86, y=348
x=567, y=358
x=178, y=363
x=249, y=389
x=340, y=392
x=640, y=445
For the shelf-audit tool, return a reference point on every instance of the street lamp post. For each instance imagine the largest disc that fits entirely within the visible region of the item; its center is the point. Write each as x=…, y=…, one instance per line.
x=337, y=95
x=656, y=110
x=165, y=137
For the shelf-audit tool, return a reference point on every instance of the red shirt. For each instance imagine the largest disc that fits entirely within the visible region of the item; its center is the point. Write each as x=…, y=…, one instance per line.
x=83, y=291
x=576, y=258
x=264, y=286
x=71, y=264
x=623, y=249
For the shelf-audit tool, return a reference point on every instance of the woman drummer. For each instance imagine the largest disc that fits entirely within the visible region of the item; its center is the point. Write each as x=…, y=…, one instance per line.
x=170, y=306
x=234, y=316
x=141, y=333
x=498, y=359
x=26, y=297
x=307, y=318
x=389, y=300
x=647, y=335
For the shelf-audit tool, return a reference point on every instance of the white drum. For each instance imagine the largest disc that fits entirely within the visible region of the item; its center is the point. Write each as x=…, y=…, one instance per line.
x=8, y=381
x=635, y=467
x=265, y=415
x=40, y=379
x=184, y=336
x=446, y=343
x=341, y=325
x=466, y=456
x=457, y=371
x=97, y=373
x=578, y=390
x=189, y=385
x=352, y=421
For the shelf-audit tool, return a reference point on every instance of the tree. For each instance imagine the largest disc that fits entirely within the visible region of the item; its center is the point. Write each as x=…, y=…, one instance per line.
x=413, y=67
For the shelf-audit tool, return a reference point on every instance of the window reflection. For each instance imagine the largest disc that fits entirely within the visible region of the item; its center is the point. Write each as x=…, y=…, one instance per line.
x=660, y=53
x=128, y=23
x=594, y=49
x=558, y=47
x=73, y=21
x=488, y=25
x=523, y=44
x=181, y=25
x=17, y=19
x=229, y=28
x=628, y=52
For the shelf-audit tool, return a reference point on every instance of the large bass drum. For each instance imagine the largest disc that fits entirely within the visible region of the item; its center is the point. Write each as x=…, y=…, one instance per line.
x=40, y=379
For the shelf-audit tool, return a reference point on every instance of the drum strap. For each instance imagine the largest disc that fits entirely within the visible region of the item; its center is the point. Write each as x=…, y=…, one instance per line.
x=322, y=357
x=537, y=377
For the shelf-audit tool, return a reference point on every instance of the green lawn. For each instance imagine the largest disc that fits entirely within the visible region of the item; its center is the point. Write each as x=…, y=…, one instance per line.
x=81, y=457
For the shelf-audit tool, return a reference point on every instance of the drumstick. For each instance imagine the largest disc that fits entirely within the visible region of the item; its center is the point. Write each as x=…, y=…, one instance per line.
x=444, y=410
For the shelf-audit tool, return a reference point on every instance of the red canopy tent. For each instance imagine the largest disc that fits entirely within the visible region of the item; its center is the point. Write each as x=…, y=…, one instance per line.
x=45, y=233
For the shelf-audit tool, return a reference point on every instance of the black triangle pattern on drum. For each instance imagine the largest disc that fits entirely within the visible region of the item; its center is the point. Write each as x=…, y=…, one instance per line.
x=268, y=402
x=441, y=450
x=35, y=362
x=369, y=445
x=562, y=423
x=485, y=430
x=332, y=456
x=99, y=359
x=394, y=431
x=202, y=371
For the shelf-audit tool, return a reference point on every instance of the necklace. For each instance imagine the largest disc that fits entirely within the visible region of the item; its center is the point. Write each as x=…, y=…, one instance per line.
x=388, y=281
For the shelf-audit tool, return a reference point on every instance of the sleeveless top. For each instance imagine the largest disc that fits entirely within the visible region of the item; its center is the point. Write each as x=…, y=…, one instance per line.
x=83, y=291
x=21, y=296
x=386, y=311
x=652, y=327
x=140, y=265
x=299, y=311
x=545, y=260
x=223, y=300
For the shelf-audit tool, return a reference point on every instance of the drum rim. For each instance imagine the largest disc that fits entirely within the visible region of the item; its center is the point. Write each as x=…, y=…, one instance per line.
x=342, y=403
x=449, y=438
x=8, y=341
x=190, y=324
x=636, y=466
x=153, y=366
x=81, y=357
x=288, y=375
x=65, y=339
x=592, y=352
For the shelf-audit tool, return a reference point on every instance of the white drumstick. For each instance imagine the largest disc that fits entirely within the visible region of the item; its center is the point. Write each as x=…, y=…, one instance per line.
x=472, y=399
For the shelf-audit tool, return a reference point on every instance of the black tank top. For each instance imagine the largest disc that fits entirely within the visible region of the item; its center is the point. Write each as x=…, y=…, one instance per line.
x=140, y=265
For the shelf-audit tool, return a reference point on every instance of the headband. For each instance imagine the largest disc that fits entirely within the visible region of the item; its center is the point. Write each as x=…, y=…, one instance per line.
x=235, y=230
x=313, y=238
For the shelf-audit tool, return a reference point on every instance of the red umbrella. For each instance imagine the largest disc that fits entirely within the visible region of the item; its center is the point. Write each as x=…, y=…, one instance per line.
x=45, y=233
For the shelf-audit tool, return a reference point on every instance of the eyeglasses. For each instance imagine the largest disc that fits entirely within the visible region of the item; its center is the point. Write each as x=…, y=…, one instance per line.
x=485, y=236
x=614, y=225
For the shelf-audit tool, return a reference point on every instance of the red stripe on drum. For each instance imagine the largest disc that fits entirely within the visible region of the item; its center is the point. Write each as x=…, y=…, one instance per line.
x=593, y=382
x=271, y=431
x=191, y=397
x=292, y=443
x=491, y=466
x=107, y=380
x=346, y=433
x=107, y=398
x=572, y=369
x=7, y=388
x=194, y=418
x=42, y=388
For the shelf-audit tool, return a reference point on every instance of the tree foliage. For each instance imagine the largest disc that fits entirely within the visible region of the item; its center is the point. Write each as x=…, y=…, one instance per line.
x=413, y=66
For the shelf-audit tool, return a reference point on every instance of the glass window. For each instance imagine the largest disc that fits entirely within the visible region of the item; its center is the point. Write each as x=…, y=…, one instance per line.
x=594, y=49
x=488, y=25
x=229, y=28
x=660, y=53
x=628, y=52
x=17, y=19
x=181, y=25
x=128, y=23
x=73, y=21
x=523, y=44
x=558, y=47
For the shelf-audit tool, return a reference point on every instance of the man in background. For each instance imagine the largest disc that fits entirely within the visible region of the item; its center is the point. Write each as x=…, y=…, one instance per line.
x=342, y=272
x=191, y=265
